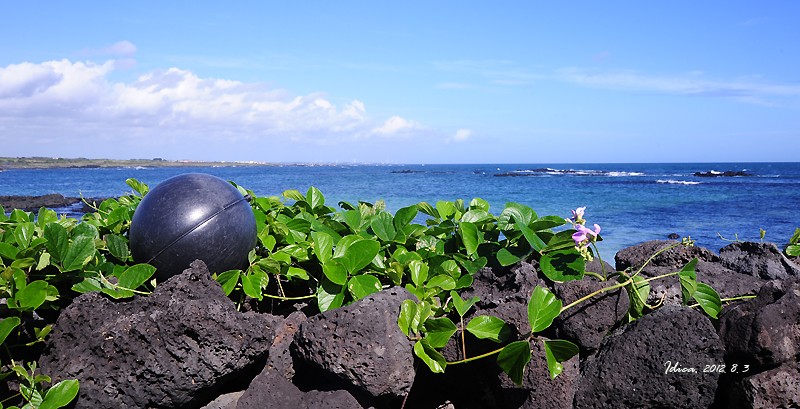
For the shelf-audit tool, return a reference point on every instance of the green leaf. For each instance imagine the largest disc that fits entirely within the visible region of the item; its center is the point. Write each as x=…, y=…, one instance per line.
x=513, y=359
x=430, y=356
x=426, y=208
x=294, y=272
x=32, y=296
x=515, y=213
x=6, y=326
x=488, y=327
x=135, y=276
x=404, y=216
x=478, y=203
x=558, y=351
x=708, y=299
x=8, y=251
x=229, y=279
x=383, y=226
x=562, y=240
x=464, y=281
x=793, y=250
x=353, y=219
x=139, y=187
x=462, y=306
x=44, y=261
x=439, y=330
x=315, y=198
x=60, y=394
x=85, y=229
x=363, y=285
x=408, y=309
x=267, y=240
x=450, y=268
x=547, y=222
x=323, y=246
x=475, y=216
x=507, y=256
x=443, y=281
x=531, y=237
x=81, y=249
x=294, y=194
x=330, y=295
x=424, y=309
x=470, y=236
x=23, y=234
x=543, y=308
x=253, y=283
x=471, y=266
x=23, y=263
x=359, y=254
x=688, y=279
x=117, y=247
x=445, y=209
x=419, y=272
x=563, y=265
x=335, y=271
x=638, y=291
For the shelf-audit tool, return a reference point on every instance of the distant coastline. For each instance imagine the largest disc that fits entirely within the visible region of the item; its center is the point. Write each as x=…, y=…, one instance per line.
x=66, y=163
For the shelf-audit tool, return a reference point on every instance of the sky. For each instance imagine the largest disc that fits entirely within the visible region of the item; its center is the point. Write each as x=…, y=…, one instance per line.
x=402, y=82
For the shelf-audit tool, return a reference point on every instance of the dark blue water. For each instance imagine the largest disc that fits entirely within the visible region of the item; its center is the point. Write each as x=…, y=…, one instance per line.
x=631, y=202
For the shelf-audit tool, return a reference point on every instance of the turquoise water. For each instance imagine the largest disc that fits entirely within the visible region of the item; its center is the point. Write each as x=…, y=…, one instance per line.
x=631, y=202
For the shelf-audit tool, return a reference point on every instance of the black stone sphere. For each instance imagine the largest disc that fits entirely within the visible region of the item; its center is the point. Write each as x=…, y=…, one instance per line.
x=188, y=217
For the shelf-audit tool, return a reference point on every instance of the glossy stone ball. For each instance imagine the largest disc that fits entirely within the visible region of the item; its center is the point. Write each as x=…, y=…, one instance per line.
x=192, y=216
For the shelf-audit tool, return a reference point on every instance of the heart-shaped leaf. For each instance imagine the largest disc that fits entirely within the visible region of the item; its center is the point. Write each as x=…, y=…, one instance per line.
x=543, y=308
x=435, y=361
x=708, y=299
x=513, y=359
x=558, y=351
x=363, y=285
x=438, y=331
x=488, y=327
x=359, y=254
x=462, y=306
x=563, y=265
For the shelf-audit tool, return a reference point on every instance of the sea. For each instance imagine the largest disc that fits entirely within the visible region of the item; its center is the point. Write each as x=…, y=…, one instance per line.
x=632, y=203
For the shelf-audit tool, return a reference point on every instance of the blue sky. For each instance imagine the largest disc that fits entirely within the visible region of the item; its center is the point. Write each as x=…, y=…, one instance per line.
x=417, y=82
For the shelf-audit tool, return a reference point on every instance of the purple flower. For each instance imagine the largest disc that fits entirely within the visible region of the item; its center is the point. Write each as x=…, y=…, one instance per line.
x=577, y=214
x=581, y=237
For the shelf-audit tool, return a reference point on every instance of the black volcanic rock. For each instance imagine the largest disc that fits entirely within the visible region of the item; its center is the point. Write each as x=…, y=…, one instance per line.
x=763, y=260
x=361, y=344
x=172, y=349
x=630, y=367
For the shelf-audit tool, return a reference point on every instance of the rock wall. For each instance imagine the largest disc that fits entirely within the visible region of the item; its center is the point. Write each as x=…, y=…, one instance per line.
x=186, y=345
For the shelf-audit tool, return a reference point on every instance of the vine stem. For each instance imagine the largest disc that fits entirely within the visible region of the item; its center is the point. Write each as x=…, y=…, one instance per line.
x=602, y=265
x=744, y=297
x=463, y=343
x=474, y=358
x=628, y=281
x=289, y=298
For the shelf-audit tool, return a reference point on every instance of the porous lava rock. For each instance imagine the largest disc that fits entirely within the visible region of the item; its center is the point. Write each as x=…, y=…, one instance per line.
x=587, y=323
x=764, y=331
x=362, y=344
x=630, y=369
x=776, y=388
x=636, y=256
x=504, y=292
x=271, y=390
x=763, y=260
x=172, y=349
x=280, y=358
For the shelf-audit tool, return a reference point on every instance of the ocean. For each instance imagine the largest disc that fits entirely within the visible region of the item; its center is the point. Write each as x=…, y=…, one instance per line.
x=632, y=203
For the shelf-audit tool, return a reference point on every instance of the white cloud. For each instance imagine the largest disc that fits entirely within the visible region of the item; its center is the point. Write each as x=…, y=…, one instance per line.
x=397, y=126
x=78, y=101
x=121, y=48
x=462, y=135
x=691, y=84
